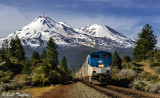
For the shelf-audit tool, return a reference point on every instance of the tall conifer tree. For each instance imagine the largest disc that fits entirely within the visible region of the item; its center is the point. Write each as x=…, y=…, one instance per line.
x=146, y=42
x=116, y=60
x=16, y=49
x=63, y=64
x=35, y=56
x=52, y=54
x=43, y=54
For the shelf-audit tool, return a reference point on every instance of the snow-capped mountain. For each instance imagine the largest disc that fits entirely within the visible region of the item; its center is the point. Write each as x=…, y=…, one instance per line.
x=37, y=33
x=107, y=36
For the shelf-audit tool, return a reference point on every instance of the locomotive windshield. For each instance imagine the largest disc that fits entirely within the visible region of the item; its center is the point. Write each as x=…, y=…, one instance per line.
x=105, y=56
x=95, y=56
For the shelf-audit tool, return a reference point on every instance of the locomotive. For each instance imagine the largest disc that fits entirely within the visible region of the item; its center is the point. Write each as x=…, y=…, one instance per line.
x=97, y=68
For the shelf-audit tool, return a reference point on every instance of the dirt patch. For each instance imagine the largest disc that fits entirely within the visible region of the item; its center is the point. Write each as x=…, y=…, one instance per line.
x=64, y=91
x=16, y=79
x=146, y=67
x=39, y=91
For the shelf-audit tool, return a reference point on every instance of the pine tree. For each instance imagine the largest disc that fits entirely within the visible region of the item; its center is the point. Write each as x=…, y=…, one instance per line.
x=9, y=53
x=63, y=64
x=3, y=51
x=150, y=54
x=12, y=47
x=116, y=60
x=52, y=54
x=35, y=56
x=26, y=67
x=65, y=72
x=19, y=53
x=157, y=56
x=16, y=48
x=126, y=59
x=44, y=53
x=146, y=42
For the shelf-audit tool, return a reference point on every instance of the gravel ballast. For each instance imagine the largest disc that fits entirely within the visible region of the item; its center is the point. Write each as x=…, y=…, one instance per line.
x=76, y=90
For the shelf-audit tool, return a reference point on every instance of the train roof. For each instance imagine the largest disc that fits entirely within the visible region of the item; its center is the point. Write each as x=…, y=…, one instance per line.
x=100, y=52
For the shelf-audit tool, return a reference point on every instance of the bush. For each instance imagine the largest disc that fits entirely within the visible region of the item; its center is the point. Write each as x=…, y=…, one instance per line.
x=123, y=77
x=157, y=69
x=126, y=59
x=139, y=84
x=155, y=64
x=157, y=56
x=26, y=80
x=5, y=76
x=126, y=74
x=148, y=77
x=6, y=87
x=55, y=77
x=150, y=54
x=144, y=85
x=155, y=88
x=40, y=79
x=114, y=72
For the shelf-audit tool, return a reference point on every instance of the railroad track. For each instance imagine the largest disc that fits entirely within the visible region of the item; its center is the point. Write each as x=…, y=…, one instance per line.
x=120, y=92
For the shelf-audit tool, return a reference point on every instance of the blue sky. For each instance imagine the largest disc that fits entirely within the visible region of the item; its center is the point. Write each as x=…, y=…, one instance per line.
x=125, y=16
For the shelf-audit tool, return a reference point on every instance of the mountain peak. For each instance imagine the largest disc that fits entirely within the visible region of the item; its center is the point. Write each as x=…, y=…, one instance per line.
x=42, y=16
x=43, y=19
x=37, y=33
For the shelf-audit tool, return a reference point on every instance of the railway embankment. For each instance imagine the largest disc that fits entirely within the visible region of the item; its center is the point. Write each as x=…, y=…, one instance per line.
x=76, y=90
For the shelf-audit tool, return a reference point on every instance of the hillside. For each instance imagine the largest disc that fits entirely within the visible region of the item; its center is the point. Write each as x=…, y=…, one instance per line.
x=146, y=67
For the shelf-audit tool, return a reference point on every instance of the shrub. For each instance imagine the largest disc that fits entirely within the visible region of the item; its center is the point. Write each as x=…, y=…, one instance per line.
x=157, y=56
x=146, y=86
x=155, y=88
x=139, y=84
x=157, y=69
x=114, y=72
x=6, y=87
x=124, y=77
x=55, y=77
x=26, y=80
x=148, y=77
x=147, y=82
x=154, y=64
x=126, y=74
x=150, y=54
x=5, y=76
x=126, y=59
x=40, y=79
x=36, y=79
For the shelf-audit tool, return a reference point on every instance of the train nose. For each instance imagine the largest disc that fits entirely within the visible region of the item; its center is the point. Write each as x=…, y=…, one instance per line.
x=100, y=61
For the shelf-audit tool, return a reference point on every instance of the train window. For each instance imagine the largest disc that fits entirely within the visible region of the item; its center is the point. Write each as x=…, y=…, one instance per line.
x=105, y=56
x=94, y=56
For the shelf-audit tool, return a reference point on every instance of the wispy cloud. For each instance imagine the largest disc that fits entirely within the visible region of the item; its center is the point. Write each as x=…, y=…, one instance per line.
x=130, y=3
x=12, y=19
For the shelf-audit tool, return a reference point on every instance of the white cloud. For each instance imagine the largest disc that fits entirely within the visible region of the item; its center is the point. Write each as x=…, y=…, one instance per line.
x=11, y=19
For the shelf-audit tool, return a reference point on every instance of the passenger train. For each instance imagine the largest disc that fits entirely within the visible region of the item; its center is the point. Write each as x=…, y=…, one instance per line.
x=97, y=68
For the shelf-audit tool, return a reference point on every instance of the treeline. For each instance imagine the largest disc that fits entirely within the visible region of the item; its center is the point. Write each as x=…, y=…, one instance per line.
x=127, y=72
x=11, y=59
x=41, y=69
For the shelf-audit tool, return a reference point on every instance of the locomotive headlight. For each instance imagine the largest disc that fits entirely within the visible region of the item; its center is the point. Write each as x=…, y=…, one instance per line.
x=100, y=65
x=108, y=68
